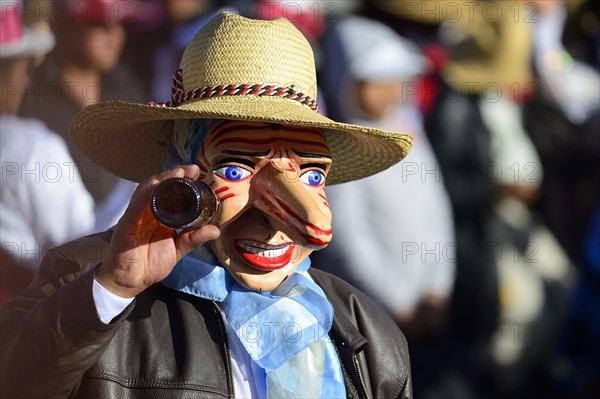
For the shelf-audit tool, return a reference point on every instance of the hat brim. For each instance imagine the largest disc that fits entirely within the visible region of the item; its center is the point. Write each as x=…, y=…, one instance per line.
x=132, y=140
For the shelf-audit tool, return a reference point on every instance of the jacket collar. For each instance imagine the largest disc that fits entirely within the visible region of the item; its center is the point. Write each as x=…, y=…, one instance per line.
x=343, y=327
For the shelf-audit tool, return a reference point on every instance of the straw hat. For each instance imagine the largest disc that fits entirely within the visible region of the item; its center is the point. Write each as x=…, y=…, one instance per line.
x=236, y=69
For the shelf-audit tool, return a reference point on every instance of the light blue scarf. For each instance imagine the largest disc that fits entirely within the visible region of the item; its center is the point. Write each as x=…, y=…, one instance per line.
x=284, y=331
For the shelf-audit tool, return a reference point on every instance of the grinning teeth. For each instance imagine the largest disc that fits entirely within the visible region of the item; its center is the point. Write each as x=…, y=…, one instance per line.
x=264, y=252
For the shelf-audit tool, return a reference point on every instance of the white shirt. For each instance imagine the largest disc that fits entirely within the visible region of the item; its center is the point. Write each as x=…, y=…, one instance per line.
x=43, y=201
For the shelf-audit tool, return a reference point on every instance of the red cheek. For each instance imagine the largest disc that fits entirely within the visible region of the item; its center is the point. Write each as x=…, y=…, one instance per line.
x=221, y=190
x=226, y=196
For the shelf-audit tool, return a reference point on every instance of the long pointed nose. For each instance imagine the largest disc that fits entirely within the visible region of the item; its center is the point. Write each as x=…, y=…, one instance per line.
x=278, y=192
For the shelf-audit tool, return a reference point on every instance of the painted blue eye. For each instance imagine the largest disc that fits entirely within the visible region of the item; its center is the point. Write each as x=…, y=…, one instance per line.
x=232, y=173
x=313, y=178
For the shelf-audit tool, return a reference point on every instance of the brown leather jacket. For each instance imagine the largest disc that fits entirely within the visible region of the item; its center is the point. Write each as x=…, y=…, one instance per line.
x=166, y=344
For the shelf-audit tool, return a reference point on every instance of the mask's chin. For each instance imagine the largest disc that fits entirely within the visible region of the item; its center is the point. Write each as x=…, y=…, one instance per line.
x=266, y=282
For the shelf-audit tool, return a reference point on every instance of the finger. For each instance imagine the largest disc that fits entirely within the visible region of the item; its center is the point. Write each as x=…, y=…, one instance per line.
x=191, y=171
x=188, y=240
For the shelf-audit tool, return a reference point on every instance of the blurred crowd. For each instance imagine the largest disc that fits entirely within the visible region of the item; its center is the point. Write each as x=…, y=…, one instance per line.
x=483, y=244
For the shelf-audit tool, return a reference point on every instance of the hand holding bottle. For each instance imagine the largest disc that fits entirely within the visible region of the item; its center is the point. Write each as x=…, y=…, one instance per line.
x=142, y=252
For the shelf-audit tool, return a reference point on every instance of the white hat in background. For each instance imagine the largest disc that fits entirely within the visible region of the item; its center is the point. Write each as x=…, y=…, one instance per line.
x=376, y=52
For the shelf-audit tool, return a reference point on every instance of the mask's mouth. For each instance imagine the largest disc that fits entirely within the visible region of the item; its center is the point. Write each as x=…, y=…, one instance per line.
x=265, y=256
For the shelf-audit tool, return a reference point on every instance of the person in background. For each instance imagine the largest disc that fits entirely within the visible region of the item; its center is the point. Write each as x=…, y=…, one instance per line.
x=82, y=70
x=564, y=123
x=510, y=269
x=154, y=52
x=399, y=222
x=43, y=202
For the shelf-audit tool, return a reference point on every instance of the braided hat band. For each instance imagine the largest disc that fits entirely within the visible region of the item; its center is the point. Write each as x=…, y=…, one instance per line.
x=178, y=95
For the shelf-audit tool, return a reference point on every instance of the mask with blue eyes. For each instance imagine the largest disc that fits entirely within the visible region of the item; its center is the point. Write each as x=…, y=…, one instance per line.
x=269, y=180
x=237, y=173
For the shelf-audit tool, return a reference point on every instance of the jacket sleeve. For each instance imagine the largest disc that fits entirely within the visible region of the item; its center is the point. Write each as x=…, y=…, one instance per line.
x=51, y=333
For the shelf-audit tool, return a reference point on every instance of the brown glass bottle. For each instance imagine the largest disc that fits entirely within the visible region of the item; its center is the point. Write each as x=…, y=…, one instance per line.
x=184, y=204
